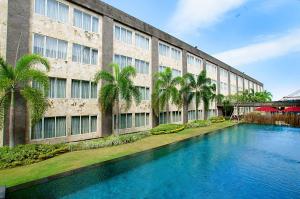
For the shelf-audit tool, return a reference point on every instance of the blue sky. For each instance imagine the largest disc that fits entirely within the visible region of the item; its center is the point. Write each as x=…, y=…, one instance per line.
x=259, y=37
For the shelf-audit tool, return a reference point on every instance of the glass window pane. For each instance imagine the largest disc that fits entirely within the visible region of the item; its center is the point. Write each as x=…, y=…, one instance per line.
x=137, y=120
x=129, y=37
x=49, y=127
x=61, y=88
x=75, y=125
x=122, y=121
x=37, y=131
x=95, y=25
x=147, y=119
x=60, y=126
x=86, y=55
x=85, y=124
x=63, y=15
x=94, y=90
x=142, y=119
x=75, y=91
x=93, y=123
x=77, y=18
x=52, y=9
x=51, y=92
x=94, y=57
x=129, y=120
x=51, y=47
x=76, y=53
x=38, y=44
x=85, y=89
x=86, y=23
x=117, y=33
x=40, y=7
x=62, y=49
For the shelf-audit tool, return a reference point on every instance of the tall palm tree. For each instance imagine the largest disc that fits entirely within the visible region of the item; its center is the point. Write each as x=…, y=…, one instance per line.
x=117, y=86
x=165, y=91
x=14, y=80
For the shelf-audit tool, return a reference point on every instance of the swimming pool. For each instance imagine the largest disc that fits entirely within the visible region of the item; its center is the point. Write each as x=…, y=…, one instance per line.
x=245, y=161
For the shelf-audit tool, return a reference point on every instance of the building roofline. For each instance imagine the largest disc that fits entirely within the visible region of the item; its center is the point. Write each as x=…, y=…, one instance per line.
x=105, y=9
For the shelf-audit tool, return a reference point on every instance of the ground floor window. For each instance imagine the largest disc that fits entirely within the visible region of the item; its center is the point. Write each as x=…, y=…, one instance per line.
x=176, y=116
x=192, y=115
x=49, y=127
x=83, y=124
x=163, y=118
x=125, y=121
x=142, y=119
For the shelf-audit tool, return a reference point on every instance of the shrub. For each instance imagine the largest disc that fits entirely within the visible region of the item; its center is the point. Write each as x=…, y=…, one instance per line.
x=167, y=128
x=28, y=154
x=198, y=123
x=217, y=119
x=112, y=140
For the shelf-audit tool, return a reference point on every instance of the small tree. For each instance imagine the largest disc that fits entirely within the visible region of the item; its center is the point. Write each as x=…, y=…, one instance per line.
x=117, y=86
x=165, y=91
x=14, y=80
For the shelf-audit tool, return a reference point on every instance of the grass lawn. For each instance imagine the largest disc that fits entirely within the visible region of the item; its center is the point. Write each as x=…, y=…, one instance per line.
x=74, y=160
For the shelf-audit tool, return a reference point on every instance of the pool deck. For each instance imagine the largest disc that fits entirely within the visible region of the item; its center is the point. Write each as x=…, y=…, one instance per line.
x=73, y=162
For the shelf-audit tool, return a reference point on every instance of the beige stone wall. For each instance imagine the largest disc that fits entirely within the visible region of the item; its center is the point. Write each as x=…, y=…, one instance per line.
x=3, y=35
x=69, y=70
x=143, y=80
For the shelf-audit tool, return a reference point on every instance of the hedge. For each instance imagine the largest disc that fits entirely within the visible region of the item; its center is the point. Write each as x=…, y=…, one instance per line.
x=218, y=119
x=167, y=128
x=198, y=123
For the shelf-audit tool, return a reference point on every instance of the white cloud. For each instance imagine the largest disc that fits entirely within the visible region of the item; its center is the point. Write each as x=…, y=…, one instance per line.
x=265, y=50
x=191, y=15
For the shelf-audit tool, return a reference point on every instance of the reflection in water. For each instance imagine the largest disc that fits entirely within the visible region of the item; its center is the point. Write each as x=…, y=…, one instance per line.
x=247, y=161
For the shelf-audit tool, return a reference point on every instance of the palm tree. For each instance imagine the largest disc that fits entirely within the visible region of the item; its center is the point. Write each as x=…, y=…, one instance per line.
x=14, y=80
x=118, y=86
x=264, y=96
x=165, y=91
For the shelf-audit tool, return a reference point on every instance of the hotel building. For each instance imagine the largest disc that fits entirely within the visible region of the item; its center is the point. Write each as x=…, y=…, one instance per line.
x=81, y=37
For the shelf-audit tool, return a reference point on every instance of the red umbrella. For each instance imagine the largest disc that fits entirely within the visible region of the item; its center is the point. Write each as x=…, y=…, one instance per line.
x=294, y=109
x=266, y=109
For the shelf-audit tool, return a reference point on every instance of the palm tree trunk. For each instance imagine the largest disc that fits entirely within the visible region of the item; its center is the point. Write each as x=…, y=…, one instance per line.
x=11, y=119
x=117, y=117
x=197, y=114
x=168, y=114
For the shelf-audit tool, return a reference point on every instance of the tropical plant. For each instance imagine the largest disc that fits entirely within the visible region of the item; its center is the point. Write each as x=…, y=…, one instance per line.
x=165, y=91
x=14, y=81
x=117, y=86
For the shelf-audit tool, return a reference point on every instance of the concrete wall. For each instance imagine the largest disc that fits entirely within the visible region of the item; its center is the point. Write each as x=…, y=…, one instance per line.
x=3, y=27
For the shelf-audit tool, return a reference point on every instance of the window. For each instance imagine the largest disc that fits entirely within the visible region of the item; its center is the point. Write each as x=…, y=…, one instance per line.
x=122, y=34
x=176, y=54
x=53, y=9
x=162, y=68
x=83, y=124
x=57, y=88
x=141, y=119
x=176, y=73
x=190, y=60
x=85, y=21
x=50, y=47
x=141, y=41
x=145, y=93
x=163, y=119
x=176, y=116
x=122, y=61
x=84, y=54
x=192, y=115
x=49, y=127
x=83, y=89
x=125, y=121
x=141, y=66
x=164, y=50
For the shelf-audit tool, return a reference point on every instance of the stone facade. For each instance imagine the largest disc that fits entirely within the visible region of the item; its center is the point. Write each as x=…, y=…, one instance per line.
x=23, y=23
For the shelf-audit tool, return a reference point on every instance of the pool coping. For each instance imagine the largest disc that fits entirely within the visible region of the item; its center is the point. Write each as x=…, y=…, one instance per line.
x=85, y=168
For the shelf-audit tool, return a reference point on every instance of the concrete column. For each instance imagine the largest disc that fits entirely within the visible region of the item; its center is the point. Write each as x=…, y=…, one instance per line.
x=107, y=58
x=204, y=64
x=218, y=80
x=154, y=70
x=18, y=35
x=229, y=83
x=184, y=71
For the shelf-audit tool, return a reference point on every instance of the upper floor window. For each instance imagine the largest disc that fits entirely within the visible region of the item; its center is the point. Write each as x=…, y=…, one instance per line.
x=122, y=61
x=141, y=66
x=164, y=49
x=176, y=73
x=144, y=92
x=52, y=9
x=84, y=54
x=57, y=88
x=50, y=47
x=122, y=34
x=85, y=21
x=83, y=89
x=141, y=41
x=190, y=60
x=176, y=54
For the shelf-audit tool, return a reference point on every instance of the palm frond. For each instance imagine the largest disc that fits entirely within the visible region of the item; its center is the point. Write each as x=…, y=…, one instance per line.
x=104, y=75
x=107, y=96
x=37, y=76
x=27, y=61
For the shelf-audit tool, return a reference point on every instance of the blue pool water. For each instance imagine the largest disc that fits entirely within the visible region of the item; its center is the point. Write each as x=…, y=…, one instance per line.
x=248, y=161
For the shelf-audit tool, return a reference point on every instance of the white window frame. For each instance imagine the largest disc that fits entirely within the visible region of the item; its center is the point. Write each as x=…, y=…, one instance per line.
x=91, y=22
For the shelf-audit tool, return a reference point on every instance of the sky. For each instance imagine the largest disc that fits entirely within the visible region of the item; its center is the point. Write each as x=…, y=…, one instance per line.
x=258, y=37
